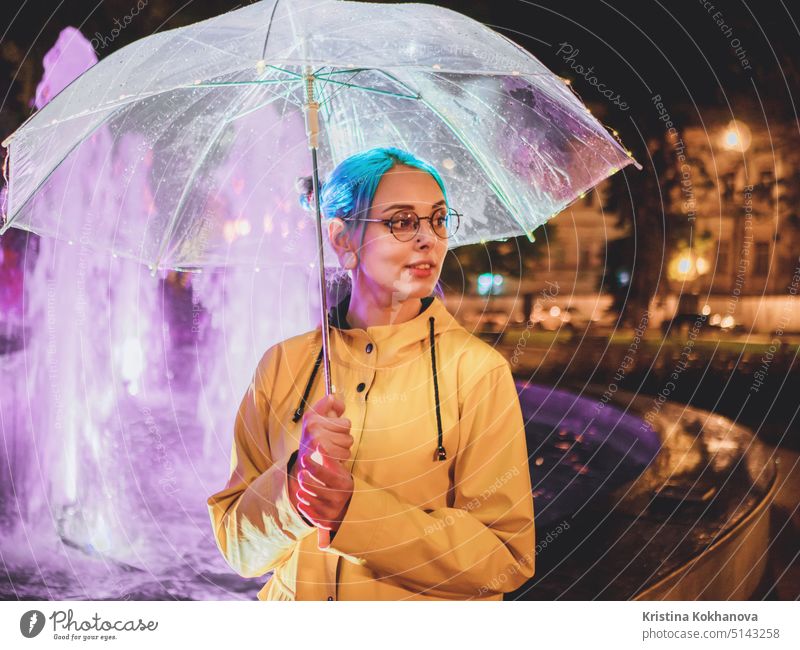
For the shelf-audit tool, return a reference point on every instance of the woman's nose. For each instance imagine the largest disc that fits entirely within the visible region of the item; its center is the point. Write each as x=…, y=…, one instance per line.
x=425, y=234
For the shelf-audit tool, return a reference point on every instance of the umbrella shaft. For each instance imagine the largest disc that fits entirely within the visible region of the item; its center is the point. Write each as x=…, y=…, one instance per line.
x=312, y=131
x=323, y=301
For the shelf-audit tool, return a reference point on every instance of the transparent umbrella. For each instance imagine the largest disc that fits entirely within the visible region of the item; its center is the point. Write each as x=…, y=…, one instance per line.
x=275, y=79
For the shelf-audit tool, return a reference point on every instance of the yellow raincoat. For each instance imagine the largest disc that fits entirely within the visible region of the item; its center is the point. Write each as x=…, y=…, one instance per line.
x=416, y=527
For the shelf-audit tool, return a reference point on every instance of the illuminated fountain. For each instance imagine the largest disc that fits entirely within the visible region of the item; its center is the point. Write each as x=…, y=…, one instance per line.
x=116, y=415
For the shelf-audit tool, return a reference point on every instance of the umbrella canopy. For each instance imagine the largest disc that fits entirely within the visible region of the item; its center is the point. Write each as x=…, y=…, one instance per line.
x=513, y=143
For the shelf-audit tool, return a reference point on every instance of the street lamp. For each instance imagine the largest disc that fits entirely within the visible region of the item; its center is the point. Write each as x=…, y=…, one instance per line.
x=687, y=266
x=736, y=136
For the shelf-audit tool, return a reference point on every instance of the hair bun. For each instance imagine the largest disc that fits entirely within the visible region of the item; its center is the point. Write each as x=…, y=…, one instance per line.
x=305, y=189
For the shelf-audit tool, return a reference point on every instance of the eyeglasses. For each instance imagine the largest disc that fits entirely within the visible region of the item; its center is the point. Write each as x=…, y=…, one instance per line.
x=404, y=225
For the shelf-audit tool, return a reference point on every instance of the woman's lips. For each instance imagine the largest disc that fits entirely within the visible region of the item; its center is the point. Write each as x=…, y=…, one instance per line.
x=420, y=272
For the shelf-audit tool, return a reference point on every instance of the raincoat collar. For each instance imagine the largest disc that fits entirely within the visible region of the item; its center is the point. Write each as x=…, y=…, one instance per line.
x=396, y=337
x=337, y=316
x=394, y=343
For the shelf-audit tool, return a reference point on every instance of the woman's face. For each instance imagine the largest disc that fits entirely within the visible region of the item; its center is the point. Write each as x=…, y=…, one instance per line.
x=386, y=263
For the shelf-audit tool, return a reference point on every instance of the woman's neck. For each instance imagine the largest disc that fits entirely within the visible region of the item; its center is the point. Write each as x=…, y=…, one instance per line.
x=366, y=309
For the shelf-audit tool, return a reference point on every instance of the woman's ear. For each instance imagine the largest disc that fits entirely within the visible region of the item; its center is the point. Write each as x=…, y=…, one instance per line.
x=339, y=237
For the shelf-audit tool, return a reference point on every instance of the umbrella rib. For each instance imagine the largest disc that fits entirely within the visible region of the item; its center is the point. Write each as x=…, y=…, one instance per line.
x=113, y=106
x=5, y=226
x=413, y=94
x=345, y=71
x=233, y=55
x=494, y=182
x=247, y=82
x=187, y=186
x=121, y=103
x=184, y=194
x=289, y=72
x=222, y=84
x=399, y=81
x=554, y=169
x=272, y=99
x=372, y=90
x=323, y=102
x=269, y=28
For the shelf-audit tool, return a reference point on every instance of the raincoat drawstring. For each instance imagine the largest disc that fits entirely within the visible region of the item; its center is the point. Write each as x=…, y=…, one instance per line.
x=441, y=453
x=298, y=413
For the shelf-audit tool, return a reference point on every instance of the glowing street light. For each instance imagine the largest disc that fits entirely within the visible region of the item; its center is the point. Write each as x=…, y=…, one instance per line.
x=687, y=266
x=490, y=284
x=736, y=136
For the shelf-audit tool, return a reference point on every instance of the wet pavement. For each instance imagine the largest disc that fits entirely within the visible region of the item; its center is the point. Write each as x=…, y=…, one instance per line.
x=707, y=479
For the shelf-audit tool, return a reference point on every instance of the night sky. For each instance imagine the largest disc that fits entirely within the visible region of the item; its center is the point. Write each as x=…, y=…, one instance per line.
x=684, y=51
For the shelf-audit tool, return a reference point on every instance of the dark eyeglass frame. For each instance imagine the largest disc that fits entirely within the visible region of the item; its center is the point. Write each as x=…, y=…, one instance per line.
x=453, y=214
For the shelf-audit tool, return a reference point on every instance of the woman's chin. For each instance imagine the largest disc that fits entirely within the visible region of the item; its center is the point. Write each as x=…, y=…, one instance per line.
x=415, y=287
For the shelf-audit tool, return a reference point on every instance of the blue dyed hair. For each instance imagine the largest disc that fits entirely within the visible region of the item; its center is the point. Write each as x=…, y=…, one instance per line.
x=350, y=189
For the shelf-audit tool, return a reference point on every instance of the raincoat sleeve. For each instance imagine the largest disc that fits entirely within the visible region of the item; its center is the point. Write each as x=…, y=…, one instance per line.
x=255, y=524
x=484, y=544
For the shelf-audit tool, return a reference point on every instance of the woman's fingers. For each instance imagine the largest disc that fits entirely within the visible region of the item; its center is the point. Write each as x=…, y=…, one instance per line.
x=325, y=488
x=329, y=476
x=315, y=518
x=324, y=485
x=333, y=422
x=334, y=452
x=327, y=496
x=311, y=487
x=340, y=439
x=327, y=404
x=335, y=425
x=327, y=448
x=328, y=468
x=317, y=510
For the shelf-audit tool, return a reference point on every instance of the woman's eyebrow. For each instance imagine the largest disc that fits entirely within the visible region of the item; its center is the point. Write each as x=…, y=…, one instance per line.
x=398, y=206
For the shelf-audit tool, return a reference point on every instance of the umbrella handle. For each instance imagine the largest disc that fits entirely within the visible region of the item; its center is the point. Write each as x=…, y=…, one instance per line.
x=323, y=535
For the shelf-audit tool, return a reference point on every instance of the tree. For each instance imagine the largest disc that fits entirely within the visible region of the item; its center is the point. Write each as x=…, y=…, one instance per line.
x=656, y=206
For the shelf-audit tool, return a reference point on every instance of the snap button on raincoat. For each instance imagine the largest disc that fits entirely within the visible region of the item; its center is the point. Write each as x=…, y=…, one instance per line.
x=416, y=527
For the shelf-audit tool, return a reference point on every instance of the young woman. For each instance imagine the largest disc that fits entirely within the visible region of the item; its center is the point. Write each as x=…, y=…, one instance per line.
x=422, y=482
